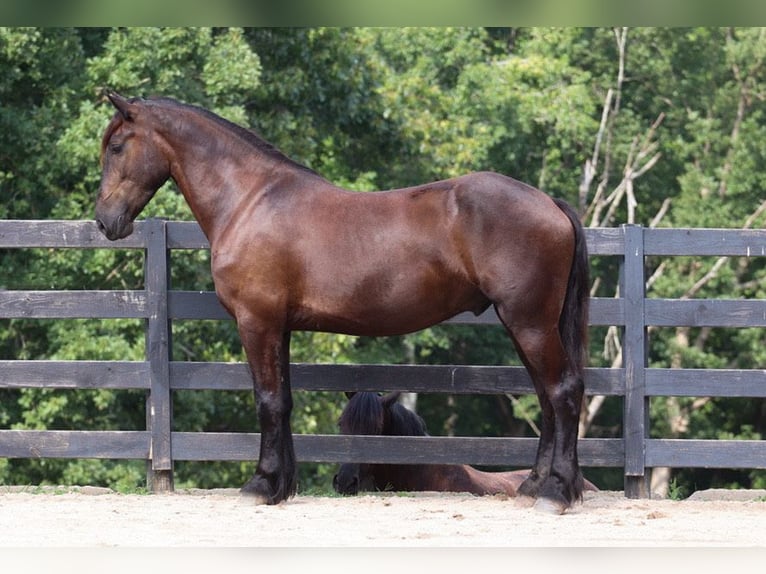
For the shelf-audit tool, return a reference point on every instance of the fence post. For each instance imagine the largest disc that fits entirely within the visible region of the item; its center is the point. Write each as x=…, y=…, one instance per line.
x=635, y=426
x=159, y=409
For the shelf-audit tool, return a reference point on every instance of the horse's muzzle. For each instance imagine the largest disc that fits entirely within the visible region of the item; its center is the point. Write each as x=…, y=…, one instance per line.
x=116, y=229
x=348, y=487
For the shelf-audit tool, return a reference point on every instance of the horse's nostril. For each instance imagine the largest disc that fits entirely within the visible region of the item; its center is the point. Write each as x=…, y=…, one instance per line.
x=348, y=487
x=101, y=226
x=353, y=488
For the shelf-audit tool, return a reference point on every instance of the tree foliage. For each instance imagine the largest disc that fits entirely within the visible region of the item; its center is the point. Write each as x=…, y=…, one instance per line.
x=654, y=126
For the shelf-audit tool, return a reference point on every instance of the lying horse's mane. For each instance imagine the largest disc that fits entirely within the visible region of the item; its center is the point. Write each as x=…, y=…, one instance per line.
x=363, y=414
x=405, y=423
x=366, y=414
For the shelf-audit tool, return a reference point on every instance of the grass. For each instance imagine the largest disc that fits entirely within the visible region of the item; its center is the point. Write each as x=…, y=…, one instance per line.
x=676, y=491
x=319, y=491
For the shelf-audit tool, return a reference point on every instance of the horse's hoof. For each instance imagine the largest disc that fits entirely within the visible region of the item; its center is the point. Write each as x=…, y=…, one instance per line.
x=253, y=497
x=257, y=491
x=549, y=506
x=524, y=501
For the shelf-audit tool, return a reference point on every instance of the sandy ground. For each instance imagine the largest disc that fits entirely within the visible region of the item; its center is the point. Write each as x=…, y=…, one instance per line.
x=99, y=518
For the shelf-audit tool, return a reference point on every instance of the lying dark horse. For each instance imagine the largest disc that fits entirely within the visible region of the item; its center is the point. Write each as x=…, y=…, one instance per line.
x=291, y=251
x=373, y=414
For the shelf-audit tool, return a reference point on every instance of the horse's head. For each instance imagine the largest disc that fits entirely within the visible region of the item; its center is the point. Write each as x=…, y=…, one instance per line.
x=134, y=166
x=365, y=414
x=373, y=414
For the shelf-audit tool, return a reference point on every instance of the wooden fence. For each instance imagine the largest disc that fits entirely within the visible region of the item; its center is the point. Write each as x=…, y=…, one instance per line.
x=159, y=375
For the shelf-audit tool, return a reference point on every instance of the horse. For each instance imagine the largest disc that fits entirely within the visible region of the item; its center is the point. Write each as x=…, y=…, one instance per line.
x=369, y=413
x=292, y=251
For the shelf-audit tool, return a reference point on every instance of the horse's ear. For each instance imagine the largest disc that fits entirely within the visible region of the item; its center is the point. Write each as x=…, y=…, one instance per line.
x=390, y=398
x=126, y=108
x=350, y=394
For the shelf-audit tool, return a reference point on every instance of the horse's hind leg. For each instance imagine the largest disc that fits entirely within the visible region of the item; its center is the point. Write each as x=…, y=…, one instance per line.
x=268, y=356
x=555, y=479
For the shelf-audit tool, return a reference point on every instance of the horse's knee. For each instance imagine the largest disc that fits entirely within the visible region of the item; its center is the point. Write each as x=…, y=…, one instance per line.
x=567, y=395
x=274, y=407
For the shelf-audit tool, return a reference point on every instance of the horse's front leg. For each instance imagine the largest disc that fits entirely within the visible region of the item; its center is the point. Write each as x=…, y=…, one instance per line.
x=268, y=354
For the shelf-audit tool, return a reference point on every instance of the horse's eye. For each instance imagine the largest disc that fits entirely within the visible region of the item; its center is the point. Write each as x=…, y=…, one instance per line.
x=115, y=147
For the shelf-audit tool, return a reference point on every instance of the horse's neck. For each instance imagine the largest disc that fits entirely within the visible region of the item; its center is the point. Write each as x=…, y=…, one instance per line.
x=403, y=477
x=417, y=477
x=219, y=177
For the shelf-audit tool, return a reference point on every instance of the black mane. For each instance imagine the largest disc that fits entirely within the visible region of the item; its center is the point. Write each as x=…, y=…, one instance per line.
x=403, y=422
x=365, y=414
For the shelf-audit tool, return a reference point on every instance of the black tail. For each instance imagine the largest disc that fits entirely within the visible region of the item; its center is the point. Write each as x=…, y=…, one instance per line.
x=573, y=323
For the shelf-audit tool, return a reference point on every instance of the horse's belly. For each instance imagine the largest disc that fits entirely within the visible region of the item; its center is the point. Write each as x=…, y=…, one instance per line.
x=371, y=324
x=388, y=308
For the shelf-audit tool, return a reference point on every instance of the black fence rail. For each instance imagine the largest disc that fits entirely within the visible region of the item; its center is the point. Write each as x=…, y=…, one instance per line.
x=159, y=375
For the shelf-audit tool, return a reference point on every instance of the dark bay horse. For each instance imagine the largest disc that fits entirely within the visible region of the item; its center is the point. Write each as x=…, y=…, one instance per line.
x=372, y=414
x=291, y=251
